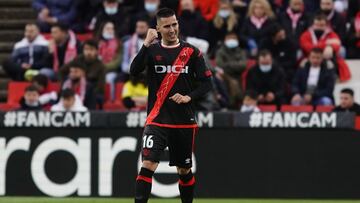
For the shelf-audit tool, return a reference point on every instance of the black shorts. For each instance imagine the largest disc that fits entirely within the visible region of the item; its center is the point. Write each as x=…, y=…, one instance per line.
x=179, y=140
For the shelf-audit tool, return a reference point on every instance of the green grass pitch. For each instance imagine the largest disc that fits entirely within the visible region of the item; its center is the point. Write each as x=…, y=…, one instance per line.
x=110, y=200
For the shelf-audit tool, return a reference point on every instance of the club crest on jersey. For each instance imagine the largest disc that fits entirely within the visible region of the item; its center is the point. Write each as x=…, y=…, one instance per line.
x=171, y=69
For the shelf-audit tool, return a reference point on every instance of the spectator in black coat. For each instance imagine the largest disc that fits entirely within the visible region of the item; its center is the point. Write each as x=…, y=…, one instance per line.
x=257, y=25
x=347, y=102
x=337, y=22
x=191, y=21
x=30, y=100
x=353, y=9
x=314, y=81
x=267, y=79
x=148, y=13
x=224, y=22
x=353, y=39
x=295, y=20
x=282, y=49
x=112, y=11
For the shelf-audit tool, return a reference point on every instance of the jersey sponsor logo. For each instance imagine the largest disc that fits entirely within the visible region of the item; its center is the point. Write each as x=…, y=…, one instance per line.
x=171, y=69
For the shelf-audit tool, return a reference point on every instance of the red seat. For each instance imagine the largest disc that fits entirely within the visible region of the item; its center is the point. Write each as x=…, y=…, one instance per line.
x=291, y=108
x=250, y=64
x=324, y=108
x=8, y=107
x=118, y=91
x=267, y=108
x=107, y=93
x=117, y=104
x=16, y=91
x=80, y=37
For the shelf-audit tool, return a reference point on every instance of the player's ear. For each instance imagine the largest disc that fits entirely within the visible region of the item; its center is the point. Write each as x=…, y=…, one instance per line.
x=157, y=28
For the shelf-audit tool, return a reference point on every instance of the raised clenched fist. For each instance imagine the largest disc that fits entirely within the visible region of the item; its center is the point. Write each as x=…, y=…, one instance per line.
x=150, y=37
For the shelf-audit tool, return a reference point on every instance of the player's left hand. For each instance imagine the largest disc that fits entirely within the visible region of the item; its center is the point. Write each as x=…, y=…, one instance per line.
x=180, y=99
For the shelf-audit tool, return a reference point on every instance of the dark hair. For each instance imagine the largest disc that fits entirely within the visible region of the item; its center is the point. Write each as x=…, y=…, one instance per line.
x=143, y=19
x=264, y=52
x=347, y=91
x=231, y=33
x=41, y=80
x=31, y=88
x=67, y=93
x=320, y=17
x=32, y=24
x=61, y=26
x=77, y=64
x=316, y=50
x=276, y=28
x=164, y=13
x=252, y=94
x=111, y=1
x=91, y=43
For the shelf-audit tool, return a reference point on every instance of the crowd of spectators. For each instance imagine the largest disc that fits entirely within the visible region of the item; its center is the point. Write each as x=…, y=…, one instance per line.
x=260, y=51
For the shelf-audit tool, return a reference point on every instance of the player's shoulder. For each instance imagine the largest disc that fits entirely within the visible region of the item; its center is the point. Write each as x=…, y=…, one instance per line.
x=196, y=51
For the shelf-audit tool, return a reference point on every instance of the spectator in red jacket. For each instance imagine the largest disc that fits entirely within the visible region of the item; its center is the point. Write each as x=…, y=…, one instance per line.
x=320, y=35
x=353, y=43
x=335, y=19
x=208, y=8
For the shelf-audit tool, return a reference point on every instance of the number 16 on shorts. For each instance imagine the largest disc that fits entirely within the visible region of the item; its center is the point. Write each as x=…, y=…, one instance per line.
x=148, y=142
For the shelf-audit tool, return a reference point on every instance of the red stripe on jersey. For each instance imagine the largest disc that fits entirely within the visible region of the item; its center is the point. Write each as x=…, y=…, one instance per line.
x=174, y=125
x=195, y=130
x=168, y=82
x=143, y=178
x=190, y=183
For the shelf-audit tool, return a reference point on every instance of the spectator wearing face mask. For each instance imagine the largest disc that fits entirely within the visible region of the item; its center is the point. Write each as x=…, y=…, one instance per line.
x=336, y=21
x=148, y=13
x=250, y=102
x=257, y=24
x=282, y=49
x=93, y=67
x=320, y=35
x=189, y=18
x=225, y=21
x=314, y=81
x=267, y=79
x=78, y=83
x=347, y=102
x=30, y=100
x=353, y=42
x=69, y=101
x=112, y=11
x=295, y=20
x=232, y=60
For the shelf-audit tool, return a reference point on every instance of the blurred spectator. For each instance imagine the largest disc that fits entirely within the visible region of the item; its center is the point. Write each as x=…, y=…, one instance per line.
x=295, y=20
x=28, y=54
x=172, y=4
x=78, y=83
x=347, y=102
x=86, y=11
x=257, y=24
x=250, y=102
x=69, y=101
x=47, y=96
x=353, y=44
x=94, y=68
x=337, y=22
x=149, y=14
x=321, y=35
x=135, y=93
x=240, y=8
x=314, y=82
x=112, y=11
x=267, y=79
x=208, y=8
x=353, y=9
x=189, y=19
x=109, y=53
x=232, y=60
x=282, y=49
x=63, y=48
x=51, y=12
x=30, y=100
x=312, y=6
x=225, y=21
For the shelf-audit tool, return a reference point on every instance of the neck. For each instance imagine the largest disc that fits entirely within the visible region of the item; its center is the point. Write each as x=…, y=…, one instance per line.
x=170, y=44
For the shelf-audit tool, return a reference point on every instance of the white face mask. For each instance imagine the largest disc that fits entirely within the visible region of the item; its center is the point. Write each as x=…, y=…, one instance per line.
x=224, y=13
x=108, y=36
x=151, y=7
x=111, y=10
x=265, y=68
x=231, y=43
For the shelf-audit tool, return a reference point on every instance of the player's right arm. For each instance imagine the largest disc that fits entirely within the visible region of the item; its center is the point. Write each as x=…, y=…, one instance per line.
x=139, y=63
